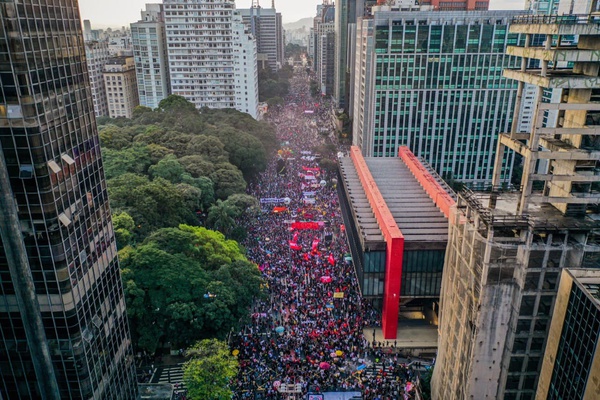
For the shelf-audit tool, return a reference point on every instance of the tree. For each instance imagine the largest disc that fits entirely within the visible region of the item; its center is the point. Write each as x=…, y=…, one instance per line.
x=197, y=165
x=245, y=151
x=245, y=204
x=227, y=181
x=208, y=373
x=167, y=276
x=114, y=137
x=124, y=226
x=168, y=168
x=135, y=159
x=221, y=217
x=176, y=104
x=152, y=204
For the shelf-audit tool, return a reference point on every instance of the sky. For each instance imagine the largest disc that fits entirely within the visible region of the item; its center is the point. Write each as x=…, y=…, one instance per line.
x=116, y=13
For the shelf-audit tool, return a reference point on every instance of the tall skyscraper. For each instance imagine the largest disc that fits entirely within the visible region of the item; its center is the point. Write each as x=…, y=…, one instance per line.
x=506, y=249
x=97, y=55
x=200, y=47
x=433, y=81
x=63, y=326
x=347, y=13
x=150, y=54
x=265, y=24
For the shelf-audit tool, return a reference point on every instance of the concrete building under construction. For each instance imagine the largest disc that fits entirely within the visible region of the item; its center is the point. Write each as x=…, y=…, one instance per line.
x=506, y=248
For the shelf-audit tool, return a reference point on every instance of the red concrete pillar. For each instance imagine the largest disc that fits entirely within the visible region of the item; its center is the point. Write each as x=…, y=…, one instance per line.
x=393, y=281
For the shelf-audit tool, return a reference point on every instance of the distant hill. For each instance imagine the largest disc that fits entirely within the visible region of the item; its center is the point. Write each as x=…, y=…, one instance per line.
x=304, y=22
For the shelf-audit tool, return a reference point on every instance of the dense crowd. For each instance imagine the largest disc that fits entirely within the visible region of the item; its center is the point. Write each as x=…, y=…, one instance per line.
x=303, y=332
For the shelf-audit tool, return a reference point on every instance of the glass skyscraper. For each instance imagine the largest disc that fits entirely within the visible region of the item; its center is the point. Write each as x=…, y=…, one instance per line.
x=433, y=81
x=64, y=331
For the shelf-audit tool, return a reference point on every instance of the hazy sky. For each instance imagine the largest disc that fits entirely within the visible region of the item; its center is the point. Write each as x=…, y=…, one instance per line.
x=116, y=13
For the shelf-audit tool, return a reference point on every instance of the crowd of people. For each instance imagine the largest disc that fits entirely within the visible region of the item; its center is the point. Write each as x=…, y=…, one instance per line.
x=308, y=331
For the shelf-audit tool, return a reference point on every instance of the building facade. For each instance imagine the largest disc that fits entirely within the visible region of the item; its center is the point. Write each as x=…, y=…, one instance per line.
x=121, y=87
x=323, y=47
x=63, y=321
x=571, y=364
x=266, y=26
x=395, y=211
x=200, y=48
x=445, y=5
x=506, y=249
x=246, y=70
x=433, y=81
x=150, y=55
x=96, y=54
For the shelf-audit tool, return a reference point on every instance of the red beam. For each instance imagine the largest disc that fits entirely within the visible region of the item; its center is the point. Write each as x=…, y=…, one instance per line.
x=438, y=194
x=394, y=243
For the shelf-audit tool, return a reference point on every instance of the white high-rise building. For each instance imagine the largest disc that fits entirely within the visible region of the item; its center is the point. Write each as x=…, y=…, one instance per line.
x=200, y=46
x=266, y=26
x=97, y=55
x=246, y=71
x=150, y=54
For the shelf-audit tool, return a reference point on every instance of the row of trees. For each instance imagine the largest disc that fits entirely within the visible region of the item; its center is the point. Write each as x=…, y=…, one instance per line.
x=166, y=165
x=168, y=171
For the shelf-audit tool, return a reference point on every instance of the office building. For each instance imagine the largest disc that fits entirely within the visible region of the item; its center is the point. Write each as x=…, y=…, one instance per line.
x=63, y=325
x=121, y=87
x=571, y=363
x=266, y=26
x=433, y=81
x=150, y=55
x=200, y=48
x=96, y=54
x=346, y=14
x=506, y=249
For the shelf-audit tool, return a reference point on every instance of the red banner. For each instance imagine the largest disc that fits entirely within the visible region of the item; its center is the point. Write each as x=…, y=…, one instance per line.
x=295, y=246
x=305, y=226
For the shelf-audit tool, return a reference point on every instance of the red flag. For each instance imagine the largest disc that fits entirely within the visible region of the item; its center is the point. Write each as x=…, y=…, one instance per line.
x=295, y=246
x=295, y=239
x=315, y=244
x=331, y=259
x=306, y=256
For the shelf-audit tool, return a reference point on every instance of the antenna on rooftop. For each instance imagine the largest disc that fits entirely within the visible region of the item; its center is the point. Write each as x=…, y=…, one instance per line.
x=273, y=4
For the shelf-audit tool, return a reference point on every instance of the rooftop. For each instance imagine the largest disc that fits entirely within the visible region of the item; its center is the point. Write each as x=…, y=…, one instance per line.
x=414, y=211
x=155, y=391
x=589, y=281
x=539, y=215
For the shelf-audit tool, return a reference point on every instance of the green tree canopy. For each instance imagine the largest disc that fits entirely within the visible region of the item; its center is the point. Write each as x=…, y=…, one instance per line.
x=166, y=280
x=176, y=104
x=152, y=204
x=208, y=373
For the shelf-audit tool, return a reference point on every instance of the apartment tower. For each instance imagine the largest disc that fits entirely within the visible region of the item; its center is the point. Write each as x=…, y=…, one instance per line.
x=506, y=249
x=63, y=326
x=200, y=46
x=150, y=54
x=121, y=87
